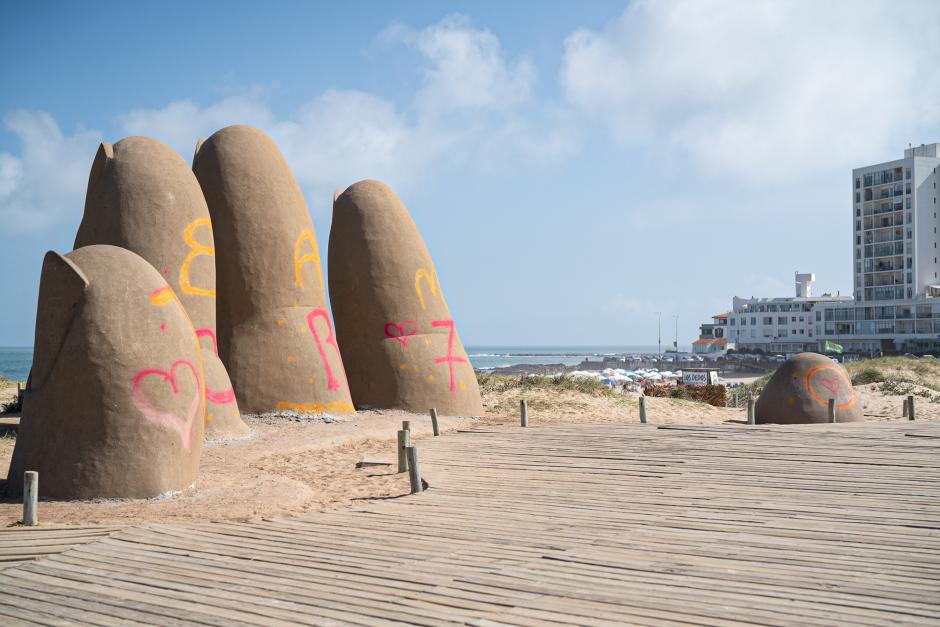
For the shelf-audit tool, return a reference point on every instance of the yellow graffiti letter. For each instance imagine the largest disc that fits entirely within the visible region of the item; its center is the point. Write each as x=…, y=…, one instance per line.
x=195, y=250
x=301, y=261
x=433, y=285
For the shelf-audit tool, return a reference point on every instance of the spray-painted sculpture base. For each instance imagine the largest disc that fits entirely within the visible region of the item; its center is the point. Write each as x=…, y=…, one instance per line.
x=400, y=345
x=800, y=389
x=115, y=402
x=275, y=335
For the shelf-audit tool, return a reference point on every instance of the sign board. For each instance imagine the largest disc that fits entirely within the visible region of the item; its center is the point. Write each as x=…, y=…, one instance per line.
x=699, y=376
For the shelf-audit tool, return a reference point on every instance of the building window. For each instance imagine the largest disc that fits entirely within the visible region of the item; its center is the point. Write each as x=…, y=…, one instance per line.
x=858, y=182
x=907, y=173
x=907, y=203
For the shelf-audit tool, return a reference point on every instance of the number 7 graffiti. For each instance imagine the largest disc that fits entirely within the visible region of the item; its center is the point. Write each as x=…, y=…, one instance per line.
x=450, y=359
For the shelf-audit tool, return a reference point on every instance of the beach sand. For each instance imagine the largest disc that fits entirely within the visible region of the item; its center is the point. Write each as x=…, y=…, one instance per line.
x=287, y=467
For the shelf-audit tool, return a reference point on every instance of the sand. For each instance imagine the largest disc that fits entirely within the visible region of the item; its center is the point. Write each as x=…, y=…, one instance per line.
x=286, y=467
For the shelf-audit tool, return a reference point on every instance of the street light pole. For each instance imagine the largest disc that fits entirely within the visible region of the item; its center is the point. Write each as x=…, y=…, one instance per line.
x=676, y=343
x=659, y=335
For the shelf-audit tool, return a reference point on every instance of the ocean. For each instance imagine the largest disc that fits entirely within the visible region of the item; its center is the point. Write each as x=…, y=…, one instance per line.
x=501, y=356
x=15, y=361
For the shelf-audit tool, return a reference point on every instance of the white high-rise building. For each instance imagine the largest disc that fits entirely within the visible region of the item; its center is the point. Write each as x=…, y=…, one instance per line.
x=895, y=235
x=896, y=270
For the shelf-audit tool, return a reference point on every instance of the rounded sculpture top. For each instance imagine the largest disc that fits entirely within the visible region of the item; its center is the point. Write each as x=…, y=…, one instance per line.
x=800, y=389
x=142, y=196
x=373, y=232
x=246, y=163
x=260, y=220
x=140, y=192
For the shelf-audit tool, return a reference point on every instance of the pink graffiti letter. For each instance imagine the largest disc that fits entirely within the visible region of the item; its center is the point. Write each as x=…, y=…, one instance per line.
x=319, y=312
x=450, y=359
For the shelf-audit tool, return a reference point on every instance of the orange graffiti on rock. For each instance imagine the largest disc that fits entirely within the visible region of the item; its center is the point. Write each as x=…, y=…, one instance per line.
x=825, y=382
x=196, y=249
x=318, y=408
x=312, y=256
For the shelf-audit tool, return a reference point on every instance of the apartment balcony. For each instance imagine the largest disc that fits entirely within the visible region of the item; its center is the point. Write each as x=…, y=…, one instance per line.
x=881, y=239
x=884, y=223
x=884, y=250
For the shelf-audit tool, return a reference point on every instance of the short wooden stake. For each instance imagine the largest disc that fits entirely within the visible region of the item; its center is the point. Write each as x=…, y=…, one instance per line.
x=404, y=441
x=832, y=410
x=750, y=411
x=413, y=474
x=406, y=425
x=524, y=412
x=643, y=410
x=904, y=409
x=30, y=498
x=434, y=426
x=910, y=408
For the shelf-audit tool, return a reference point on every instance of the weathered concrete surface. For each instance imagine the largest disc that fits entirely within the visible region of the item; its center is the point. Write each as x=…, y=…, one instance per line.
x=275, y=335
x=800, y=389
x=222, y=417
x=399, y=342
x=115, y=402
x=142, y=196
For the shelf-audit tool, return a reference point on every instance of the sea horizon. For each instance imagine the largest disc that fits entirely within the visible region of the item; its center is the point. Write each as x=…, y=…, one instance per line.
x=15, y=361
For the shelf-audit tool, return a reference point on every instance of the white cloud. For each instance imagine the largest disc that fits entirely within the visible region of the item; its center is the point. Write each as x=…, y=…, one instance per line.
x=468, y=68
x=766, y=89
x=181, y=123
x=46, y=182
x=473, y=108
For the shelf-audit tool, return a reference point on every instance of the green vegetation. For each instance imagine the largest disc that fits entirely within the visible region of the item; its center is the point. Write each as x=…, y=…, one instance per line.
x=868, y=375
x=751, y=389
x=492, y=383
x=899, y=376
x=11, y=406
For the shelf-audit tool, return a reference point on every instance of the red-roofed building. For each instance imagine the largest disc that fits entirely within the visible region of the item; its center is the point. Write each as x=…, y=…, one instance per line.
x=712, y=338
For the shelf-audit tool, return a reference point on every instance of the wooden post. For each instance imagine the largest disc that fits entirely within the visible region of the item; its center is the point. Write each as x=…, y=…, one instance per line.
x=404, y=441
x=434, y=426
x=904, y=409
x=20, y=393
x=750, y=411
x=406, y=425
x=30, y=498
x=524, y=412
x=910, y=408
x=413, y=474
x=643, y=410
x=832, y=410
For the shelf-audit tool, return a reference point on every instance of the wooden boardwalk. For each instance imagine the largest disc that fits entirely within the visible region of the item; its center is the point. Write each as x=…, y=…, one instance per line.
x=560, y=525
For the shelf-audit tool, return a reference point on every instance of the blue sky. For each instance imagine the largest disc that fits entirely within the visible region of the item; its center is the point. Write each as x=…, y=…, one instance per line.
x=573, y=167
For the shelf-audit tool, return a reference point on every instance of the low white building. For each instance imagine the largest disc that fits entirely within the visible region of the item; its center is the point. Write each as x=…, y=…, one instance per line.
x=779, y=325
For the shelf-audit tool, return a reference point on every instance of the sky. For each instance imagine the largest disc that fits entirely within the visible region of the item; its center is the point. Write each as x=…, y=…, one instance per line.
x=573, y=167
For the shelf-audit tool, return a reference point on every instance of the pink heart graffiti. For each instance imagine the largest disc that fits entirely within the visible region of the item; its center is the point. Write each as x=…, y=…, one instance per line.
x=399, y=332
x=182, y=425
x=833, y=384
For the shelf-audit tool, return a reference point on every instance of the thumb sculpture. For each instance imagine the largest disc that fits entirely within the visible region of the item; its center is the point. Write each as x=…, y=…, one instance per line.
x=800, y=389
x=142, y=196
x=115, y=401
x=275, y=335
x=399, y=342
